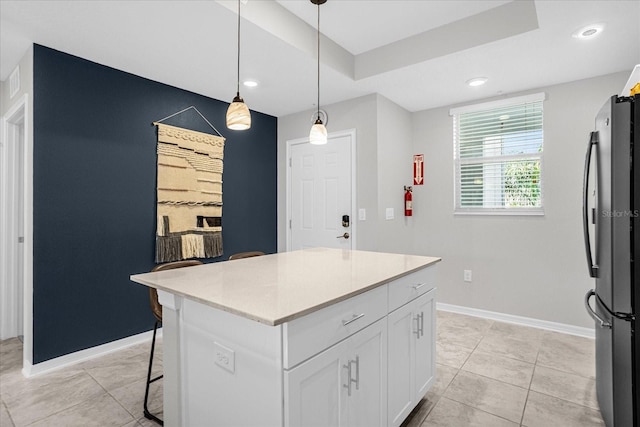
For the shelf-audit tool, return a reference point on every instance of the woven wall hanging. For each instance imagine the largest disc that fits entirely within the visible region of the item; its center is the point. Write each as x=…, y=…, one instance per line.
x=189, y=206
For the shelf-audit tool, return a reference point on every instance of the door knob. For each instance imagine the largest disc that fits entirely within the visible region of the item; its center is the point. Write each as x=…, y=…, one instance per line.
x=344, y=236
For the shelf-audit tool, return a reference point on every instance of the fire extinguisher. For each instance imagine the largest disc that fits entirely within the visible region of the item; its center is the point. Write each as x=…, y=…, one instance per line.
x=408, y=201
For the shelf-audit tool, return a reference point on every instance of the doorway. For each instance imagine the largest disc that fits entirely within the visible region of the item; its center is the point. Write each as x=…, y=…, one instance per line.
x=321, y=192
x=13, y=185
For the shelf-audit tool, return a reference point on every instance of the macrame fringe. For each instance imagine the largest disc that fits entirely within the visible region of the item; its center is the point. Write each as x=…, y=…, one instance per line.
x=192, y=246
x=168, y=248
x=213, y=244
x=180, y=246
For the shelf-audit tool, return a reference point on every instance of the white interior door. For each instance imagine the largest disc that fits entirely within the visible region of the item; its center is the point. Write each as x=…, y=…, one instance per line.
x=12, y=225
x=19, y=212
x=321, y=193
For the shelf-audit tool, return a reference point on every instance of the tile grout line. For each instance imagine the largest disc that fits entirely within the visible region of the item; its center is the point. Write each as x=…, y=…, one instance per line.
x=555, y=368
x=535, y=364
x=495, y=379
x=6, y=408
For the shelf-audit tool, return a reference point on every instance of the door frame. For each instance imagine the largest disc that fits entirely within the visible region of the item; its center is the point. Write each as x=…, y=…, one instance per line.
x=351, y=134
x=19, y=113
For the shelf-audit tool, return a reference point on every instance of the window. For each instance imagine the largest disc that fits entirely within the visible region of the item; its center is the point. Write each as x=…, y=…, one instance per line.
x=498, y=156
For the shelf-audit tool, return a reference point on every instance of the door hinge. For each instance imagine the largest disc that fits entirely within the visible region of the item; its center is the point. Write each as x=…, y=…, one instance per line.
x=290, y=163
x=289, y=224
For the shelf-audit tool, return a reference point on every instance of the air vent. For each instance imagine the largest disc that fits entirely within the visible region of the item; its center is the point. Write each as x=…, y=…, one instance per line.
x=14, y=82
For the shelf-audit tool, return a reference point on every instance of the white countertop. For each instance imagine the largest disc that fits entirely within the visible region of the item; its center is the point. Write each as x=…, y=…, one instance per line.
x=274, y=289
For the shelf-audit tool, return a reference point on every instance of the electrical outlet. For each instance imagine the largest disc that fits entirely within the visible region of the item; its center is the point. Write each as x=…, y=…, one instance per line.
x=224, y=357
x=467, y=275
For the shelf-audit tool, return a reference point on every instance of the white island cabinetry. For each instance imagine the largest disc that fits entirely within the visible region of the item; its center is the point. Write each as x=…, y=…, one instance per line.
x=412, y=350
x=303, y=338
x=344, y=385
x=411, y=355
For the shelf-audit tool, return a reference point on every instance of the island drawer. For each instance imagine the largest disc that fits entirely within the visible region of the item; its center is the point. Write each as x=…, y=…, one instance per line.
x=307, y=336
x=411, y=286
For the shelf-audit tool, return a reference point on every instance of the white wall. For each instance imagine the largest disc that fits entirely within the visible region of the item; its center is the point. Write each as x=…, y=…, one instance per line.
x=26, y=83
x=395, y=170
x=526, y=266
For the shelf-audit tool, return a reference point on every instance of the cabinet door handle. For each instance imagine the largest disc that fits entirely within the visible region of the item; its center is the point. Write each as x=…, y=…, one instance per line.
x=417, y=329
x=353, y=319
x=348, y=384
x=350, y=380
x=357, y=381
x=418, y=286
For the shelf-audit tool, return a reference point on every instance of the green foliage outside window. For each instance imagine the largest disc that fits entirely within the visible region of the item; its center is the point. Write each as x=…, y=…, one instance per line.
x=522, y=184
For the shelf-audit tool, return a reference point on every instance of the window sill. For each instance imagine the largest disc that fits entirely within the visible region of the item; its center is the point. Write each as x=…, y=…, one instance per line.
x=500, y=212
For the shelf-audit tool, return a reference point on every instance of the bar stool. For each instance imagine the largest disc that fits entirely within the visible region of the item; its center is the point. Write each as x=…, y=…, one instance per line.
x=156, y=308
x=245, y=255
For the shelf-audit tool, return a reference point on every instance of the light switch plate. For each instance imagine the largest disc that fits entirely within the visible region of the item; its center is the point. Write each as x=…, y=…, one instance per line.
x=224, y=357
x=362, y=214
x=390, y=214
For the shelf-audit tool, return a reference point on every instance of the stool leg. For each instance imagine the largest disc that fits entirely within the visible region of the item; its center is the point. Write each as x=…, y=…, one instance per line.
x=148, y=415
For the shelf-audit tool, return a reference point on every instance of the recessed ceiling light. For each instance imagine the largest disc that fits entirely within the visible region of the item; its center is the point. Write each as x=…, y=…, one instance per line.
x=477, y=81
x=589, y=31
x=250, y=83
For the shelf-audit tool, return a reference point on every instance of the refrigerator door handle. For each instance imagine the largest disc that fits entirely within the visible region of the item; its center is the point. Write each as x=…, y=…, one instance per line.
x=594, y=316
x=593, y=269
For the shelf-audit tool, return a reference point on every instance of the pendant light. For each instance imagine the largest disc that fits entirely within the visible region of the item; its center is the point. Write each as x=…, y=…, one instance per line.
x=318, y=134
x=238, y=115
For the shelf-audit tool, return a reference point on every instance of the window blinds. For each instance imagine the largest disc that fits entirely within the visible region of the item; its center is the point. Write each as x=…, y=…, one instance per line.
x=498, y=156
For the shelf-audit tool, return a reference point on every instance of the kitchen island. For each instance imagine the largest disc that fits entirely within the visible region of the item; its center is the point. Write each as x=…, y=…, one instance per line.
x=312, y=337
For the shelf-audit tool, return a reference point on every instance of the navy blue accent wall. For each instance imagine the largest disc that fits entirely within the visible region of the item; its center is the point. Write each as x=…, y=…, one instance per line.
x=94, y=195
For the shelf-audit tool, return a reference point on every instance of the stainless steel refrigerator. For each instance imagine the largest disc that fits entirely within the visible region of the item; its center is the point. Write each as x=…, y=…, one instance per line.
x=611, y=219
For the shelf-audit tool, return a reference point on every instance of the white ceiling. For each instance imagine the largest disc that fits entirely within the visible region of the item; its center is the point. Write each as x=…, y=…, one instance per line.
x=418, y=53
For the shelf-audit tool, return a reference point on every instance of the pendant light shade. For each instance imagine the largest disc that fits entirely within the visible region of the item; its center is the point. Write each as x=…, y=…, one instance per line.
x=318, y=134
x=238, y=115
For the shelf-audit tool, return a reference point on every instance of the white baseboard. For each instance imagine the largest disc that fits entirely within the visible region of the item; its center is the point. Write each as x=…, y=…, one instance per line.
x=29, y=370
x=519, y=320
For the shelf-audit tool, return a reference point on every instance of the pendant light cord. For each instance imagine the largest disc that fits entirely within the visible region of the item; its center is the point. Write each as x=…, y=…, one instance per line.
x=318, y=60
x=238, y=79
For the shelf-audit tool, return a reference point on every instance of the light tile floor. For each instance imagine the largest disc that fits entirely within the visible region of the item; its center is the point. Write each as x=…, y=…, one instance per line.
x=106, y=391
x=488, y=374
x=498, y=374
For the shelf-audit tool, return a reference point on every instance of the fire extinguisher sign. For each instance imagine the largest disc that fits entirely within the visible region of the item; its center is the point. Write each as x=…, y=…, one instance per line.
x=418, y=169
